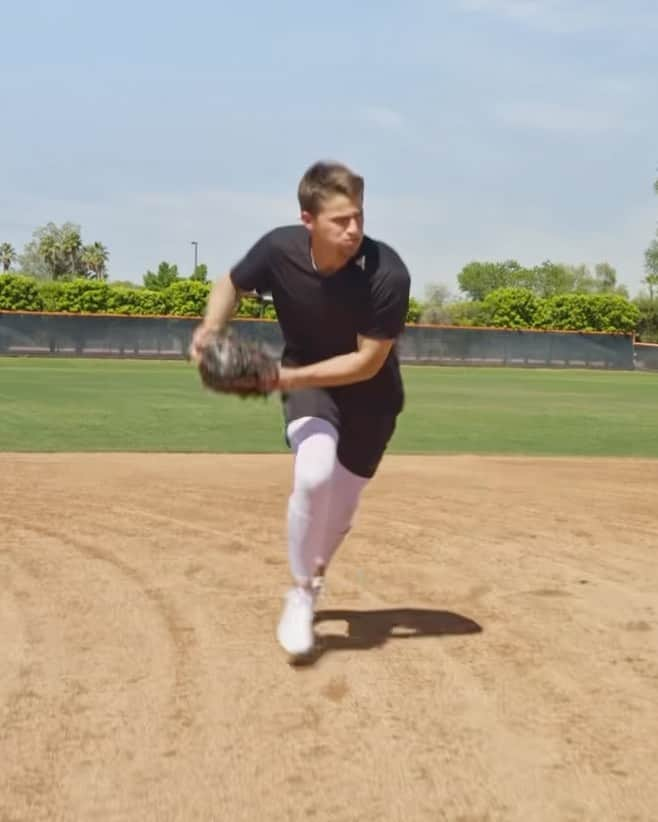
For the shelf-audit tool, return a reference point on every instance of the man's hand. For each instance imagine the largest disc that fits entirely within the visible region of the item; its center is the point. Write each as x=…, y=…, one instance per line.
x=222, y=301
x=202, y=335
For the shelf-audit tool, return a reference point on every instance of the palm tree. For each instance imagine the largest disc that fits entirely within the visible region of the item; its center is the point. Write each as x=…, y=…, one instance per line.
x=50, y=253
x=94, y=257
x=70, y=245
x=7, y=256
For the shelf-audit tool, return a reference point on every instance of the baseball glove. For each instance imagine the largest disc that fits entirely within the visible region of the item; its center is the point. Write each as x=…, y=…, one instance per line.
x=232, y=366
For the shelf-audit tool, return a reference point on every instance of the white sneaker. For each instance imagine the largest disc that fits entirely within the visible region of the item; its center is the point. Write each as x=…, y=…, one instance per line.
x=295, y=629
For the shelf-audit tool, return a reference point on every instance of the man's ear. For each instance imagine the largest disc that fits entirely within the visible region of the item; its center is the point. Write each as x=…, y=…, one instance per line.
x=307, y=219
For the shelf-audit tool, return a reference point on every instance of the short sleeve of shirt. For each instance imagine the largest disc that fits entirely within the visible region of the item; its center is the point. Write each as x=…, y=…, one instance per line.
x=252, y=272
x=389, y=299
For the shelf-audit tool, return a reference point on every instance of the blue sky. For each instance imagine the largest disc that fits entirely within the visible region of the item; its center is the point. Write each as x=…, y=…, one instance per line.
x=486, y=129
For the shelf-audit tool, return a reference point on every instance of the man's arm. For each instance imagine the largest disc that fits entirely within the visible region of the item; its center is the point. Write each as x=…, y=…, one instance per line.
x=344, y=369
x=223, y=299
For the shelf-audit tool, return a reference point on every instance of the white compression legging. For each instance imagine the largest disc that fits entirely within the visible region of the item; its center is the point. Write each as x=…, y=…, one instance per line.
x=324, y=497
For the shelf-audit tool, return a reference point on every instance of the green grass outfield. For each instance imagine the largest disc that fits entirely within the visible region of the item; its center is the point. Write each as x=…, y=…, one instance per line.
x=124, y=405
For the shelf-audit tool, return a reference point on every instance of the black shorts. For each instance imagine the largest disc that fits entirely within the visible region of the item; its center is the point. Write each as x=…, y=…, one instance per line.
x=362, y=436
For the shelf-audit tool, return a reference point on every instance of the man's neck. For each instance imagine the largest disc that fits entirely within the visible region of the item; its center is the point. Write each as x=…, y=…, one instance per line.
x=326, y=262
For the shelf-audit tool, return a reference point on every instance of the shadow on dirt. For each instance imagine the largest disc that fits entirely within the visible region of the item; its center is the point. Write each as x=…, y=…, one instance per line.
x=372, y=629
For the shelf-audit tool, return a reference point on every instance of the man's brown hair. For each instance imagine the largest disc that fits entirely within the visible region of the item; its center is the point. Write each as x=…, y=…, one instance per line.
x=324, y=179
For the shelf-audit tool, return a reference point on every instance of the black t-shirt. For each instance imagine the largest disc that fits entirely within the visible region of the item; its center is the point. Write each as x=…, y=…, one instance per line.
x=320, y=315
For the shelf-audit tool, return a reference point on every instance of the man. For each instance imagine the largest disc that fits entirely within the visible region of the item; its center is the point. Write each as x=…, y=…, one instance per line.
x=341, y=300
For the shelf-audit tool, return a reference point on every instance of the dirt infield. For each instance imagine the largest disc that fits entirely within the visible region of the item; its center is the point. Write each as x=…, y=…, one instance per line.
x=488, y=650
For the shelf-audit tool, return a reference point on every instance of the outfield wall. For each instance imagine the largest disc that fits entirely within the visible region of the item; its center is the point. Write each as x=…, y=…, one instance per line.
x=646, y=356
x=94, y=335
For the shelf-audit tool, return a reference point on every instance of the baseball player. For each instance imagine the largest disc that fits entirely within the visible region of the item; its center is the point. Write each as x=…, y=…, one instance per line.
x=341, y=300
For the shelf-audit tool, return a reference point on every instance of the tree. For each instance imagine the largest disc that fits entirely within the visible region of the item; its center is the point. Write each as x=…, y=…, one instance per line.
x=166, y=275
x=7, y=256
x=651, y=266
x=651, y=260
x=583, y=281
x=200, y=273
x=32, y=263
x=434, y=311
x=50, y=253
x=94, y=258
x=477, y=279
x=647, y=324
x=58, y=246
x=652, y=281
x=437, y=293
x=69, y=247
x=466, y=313
x=57, y=253
x=551, y=278
x=605, y=280
x=556, y=278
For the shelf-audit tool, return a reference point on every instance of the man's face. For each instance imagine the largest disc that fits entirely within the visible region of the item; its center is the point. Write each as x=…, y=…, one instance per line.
x=338, y=225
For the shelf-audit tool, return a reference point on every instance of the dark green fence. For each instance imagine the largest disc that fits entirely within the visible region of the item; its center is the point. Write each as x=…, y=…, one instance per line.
x=483, y=346
x=646, y=357
x=94, y=335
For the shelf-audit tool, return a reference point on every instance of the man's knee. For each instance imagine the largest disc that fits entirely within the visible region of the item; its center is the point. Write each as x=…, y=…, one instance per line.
x=314, y=441
x=314, y=479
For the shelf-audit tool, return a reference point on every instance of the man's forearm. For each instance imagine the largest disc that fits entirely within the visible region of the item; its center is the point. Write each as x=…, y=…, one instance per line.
x=222, y=302
x=344, y=369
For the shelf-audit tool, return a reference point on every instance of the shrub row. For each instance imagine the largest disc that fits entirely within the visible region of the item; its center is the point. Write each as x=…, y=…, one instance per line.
x=520, y=308
x=504, y=308
x=185, y=298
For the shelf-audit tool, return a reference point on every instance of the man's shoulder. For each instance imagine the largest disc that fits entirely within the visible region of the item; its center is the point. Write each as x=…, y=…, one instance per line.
x=382, y=261
x=286, y=236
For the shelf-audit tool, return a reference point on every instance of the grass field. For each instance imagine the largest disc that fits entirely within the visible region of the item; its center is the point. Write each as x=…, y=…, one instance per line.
x=114, y=405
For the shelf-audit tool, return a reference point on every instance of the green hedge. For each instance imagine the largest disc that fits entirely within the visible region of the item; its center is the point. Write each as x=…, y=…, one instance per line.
x=520, y=308
x=18, y=293
x=510, y=308
x=122, y=300
x=588, y=312
x=503, y=308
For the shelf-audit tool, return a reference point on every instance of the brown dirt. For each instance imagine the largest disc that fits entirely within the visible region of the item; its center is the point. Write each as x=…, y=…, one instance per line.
x=488, y=649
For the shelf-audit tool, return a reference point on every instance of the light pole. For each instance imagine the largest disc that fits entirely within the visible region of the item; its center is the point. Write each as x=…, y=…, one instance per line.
x=196, y=253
